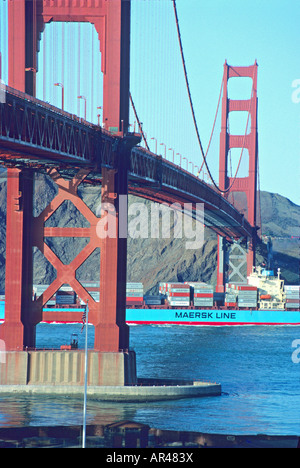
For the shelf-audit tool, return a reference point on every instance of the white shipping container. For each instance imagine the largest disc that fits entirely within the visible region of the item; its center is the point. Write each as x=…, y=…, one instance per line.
x=178, y=298
x=250, y=304
x=199, y=285
x=91, y=285
x=179, y=303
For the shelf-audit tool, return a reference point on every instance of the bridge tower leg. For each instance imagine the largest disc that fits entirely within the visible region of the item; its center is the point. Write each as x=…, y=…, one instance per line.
x=111, y=331
x=247, y=185
x=18, y=329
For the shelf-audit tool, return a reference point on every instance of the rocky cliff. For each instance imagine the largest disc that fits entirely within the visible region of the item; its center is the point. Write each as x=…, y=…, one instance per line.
x=161, y=259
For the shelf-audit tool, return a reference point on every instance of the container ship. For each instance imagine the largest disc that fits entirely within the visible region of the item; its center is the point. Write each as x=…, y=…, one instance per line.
x=263, y=300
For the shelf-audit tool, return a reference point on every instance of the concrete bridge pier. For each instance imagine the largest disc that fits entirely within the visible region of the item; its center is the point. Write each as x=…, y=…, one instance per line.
x=49, y=368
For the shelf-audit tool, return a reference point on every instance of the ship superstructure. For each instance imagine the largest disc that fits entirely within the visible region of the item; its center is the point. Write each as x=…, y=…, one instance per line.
x=271, y=293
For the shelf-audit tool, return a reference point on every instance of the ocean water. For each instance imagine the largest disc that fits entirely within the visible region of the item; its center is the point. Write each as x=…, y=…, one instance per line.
x=260, y=381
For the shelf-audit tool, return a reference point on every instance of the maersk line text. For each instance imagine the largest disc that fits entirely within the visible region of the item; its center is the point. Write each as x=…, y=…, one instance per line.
x=206, y=315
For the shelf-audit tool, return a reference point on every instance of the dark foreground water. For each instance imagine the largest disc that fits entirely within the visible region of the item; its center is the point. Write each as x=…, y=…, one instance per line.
x=260, y=381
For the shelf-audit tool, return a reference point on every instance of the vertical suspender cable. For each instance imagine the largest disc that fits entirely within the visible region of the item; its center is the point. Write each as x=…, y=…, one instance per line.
x=63, y=54
x=92, y=83
x=71, y=84
x=1, y=16
x=34, y=38
x=78, y=70
x=54, y=54
x=3, y=41
x=49, y=76
x=44, y=65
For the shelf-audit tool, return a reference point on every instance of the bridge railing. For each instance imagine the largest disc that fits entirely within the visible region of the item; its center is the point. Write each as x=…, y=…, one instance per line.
x=46, y=130
x=165, y=181
x=44, y=104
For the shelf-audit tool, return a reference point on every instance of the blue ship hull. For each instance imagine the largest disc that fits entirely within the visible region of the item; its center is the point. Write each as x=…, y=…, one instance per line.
x=194, y=316
x=212, y=317
x=2, y=308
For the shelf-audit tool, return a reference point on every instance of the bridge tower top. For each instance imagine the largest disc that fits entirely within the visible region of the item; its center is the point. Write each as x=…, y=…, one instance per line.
x=111, y=18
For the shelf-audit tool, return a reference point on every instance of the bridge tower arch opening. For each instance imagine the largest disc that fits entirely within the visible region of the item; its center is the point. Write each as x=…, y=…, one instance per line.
x=26, y=21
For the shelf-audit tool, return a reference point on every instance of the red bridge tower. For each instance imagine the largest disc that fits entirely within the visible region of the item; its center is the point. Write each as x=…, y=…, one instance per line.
x=26, y=19
x=248, y=184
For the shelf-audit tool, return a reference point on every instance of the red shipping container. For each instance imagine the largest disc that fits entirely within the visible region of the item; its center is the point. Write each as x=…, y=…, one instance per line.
x=242, y=287
x=176, y=286
x=177, y=294
x=203, y=295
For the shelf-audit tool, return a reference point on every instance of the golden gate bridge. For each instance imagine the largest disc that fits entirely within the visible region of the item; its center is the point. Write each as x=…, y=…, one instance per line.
x=111, y=149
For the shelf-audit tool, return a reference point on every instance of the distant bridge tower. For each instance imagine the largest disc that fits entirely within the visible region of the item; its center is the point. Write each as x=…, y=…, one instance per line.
x=230, y=266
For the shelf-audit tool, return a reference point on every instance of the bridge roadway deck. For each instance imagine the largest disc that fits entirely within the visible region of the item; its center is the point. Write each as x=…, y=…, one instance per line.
x=37, y=135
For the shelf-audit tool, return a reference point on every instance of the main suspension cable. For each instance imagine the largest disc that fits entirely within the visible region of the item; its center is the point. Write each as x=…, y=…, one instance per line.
x=138, y=121
x=213, y=128
x=190, y=96
x=194, y=117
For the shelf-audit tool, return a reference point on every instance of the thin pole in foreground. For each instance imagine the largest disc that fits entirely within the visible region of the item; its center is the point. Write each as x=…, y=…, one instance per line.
x=85, y=319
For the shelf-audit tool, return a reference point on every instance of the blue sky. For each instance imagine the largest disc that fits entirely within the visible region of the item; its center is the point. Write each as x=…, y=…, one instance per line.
x=242, y=31
x=239, y=31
